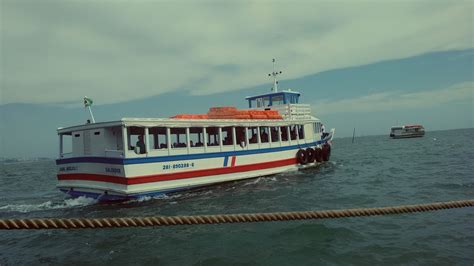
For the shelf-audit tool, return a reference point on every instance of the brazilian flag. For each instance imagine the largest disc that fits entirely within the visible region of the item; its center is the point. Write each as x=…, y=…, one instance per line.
x=87, y=102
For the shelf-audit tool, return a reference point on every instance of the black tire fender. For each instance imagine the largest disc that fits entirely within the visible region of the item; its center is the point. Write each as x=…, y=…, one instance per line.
x=326, y=152
x=310, y=153
x=318, y=155
x=302, y=157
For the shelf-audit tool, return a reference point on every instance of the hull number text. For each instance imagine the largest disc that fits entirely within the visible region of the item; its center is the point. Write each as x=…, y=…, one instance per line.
x=177, y=166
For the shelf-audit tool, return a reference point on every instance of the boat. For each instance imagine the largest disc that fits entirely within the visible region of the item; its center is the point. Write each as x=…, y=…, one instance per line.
x=407, y=131
x=140, y=157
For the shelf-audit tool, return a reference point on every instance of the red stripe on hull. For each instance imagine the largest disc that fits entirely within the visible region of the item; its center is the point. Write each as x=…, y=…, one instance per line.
x=233, y=161
x=175, y=176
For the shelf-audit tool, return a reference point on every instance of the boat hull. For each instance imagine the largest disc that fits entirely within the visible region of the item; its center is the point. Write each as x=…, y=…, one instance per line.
x=405, y=136
x=109, y=179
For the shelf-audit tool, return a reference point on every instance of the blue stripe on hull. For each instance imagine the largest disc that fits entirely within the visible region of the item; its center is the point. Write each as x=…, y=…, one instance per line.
x=184, y=157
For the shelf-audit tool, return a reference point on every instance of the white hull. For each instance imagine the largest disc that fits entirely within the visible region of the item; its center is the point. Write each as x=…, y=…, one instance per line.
x=132, y=180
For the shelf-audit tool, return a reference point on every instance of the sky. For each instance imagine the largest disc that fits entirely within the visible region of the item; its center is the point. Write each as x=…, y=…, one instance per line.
x=56, y=52
x=363, y=64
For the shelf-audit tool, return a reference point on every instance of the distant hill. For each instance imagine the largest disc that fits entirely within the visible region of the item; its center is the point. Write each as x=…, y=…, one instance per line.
x=28, y=130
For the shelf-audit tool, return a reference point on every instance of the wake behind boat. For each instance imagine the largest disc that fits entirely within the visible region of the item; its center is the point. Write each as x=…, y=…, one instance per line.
x=137, y=157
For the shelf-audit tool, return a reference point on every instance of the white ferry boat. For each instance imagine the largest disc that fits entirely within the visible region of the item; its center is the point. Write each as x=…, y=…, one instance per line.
x=407, y=131
x=138, y=157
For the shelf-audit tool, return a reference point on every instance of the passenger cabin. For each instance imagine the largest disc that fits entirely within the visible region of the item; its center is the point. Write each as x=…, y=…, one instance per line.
x=164, y=137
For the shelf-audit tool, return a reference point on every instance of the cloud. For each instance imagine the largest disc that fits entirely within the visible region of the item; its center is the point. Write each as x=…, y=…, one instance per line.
x=57, y=51
x=393, y=101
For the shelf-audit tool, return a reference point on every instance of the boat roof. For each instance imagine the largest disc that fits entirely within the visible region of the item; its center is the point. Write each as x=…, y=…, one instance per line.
x=176, y=122
x=272, y=94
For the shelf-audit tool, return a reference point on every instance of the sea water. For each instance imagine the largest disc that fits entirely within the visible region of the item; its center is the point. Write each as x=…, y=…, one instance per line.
x=374, y=171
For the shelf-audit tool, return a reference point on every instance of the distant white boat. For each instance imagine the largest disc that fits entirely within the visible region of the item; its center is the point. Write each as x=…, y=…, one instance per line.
x=407, y=131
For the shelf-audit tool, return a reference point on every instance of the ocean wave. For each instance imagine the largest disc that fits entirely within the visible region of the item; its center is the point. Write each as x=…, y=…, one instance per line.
x=49, y=205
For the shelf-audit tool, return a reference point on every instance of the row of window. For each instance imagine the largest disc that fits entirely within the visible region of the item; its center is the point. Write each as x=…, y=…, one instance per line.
x=178, y=137
x=266, y=101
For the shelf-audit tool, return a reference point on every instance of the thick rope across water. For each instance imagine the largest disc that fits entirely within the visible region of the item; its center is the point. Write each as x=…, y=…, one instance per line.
x=82, y=223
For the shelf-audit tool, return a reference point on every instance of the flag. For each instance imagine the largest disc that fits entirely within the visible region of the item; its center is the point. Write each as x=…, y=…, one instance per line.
x=87, y=102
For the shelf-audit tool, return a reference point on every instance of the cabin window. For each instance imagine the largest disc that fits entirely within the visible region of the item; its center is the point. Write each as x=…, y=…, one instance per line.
x=158, y=139
x=284, y=133
x=274, y=133
x=178, y=137
x=264, y=134
x=301, y=131
x=292, y=98
x=252, y=103
x=212, y=136
x=97, y=133
x=293, y=132
x=240, y=136
x=77, y=135
x=196, y=136
x=266, y=101
x=277, y=100
x=252, y=133
x=227, y=138
x=263, y=102
x=317, y=127
x=136, y=138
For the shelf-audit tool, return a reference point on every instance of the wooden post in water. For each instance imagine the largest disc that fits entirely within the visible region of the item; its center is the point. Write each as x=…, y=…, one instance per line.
x=353, y=135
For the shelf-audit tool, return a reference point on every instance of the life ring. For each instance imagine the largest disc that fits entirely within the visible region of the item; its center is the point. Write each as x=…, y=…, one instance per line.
x=318, y=155
x=326, y=152
x=310, y=153
x=302, y=157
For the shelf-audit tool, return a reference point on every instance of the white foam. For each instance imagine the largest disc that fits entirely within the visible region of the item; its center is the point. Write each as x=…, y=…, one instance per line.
x=148, y=198
x=49, y=205
x=252, y=182
x=260, y=179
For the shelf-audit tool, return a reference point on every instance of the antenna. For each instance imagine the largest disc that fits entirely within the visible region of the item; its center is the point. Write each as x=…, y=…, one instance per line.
x=274, y=74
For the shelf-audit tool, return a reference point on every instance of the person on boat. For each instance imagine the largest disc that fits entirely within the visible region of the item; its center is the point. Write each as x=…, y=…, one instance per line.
x=141, y=144
x=323, y=133
x=264, y=137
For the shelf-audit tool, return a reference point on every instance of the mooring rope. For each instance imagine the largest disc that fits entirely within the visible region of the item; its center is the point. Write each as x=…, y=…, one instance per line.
x=81, y=223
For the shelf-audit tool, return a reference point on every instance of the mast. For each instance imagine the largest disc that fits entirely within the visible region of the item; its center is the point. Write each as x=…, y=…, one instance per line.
x=274, y=74
x=353, y=135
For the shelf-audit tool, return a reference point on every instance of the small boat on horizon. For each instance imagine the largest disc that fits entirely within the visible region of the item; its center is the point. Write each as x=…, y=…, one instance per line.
x=138, y=157
x=407, y=131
